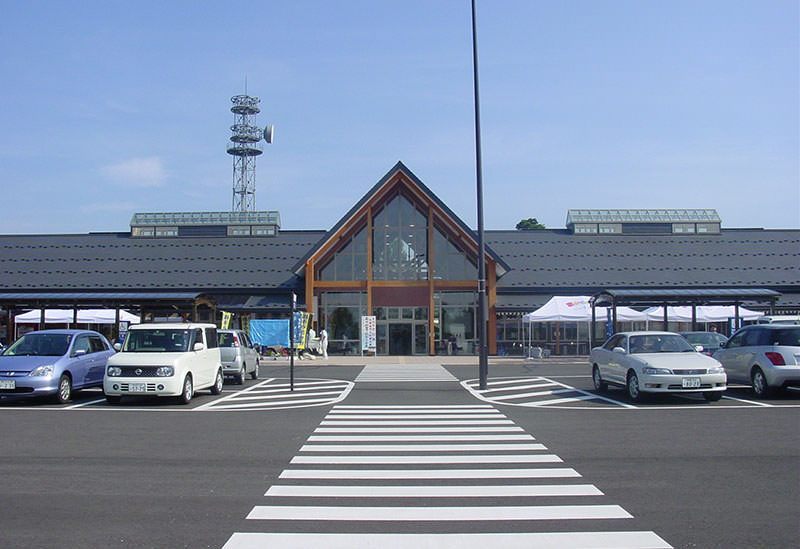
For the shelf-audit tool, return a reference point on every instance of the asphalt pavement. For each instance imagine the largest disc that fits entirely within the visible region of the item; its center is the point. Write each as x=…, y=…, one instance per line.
x=672, y=471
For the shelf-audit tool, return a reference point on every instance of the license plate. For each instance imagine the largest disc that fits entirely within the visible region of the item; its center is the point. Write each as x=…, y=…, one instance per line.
x=137, y=387
x=8, y=384
x=691, y=382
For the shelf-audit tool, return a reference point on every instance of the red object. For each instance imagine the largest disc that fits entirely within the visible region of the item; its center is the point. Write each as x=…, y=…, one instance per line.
x=776, y=359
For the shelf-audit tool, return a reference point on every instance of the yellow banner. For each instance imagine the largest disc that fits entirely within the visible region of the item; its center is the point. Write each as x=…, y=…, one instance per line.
x=226, y=320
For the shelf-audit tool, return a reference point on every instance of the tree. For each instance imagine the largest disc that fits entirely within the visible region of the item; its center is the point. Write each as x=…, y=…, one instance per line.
x=530, y=224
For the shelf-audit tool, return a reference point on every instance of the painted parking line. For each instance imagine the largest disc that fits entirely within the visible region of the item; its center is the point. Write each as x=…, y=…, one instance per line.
x=275, y=394
x=514, y=392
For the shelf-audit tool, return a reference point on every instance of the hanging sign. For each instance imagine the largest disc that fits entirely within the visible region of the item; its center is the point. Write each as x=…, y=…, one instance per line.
x=226, y=321
x=300, y=325
x=368, y=336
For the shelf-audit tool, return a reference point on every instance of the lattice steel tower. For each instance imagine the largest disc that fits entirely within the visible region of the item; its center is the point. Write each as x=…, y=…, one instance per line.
x=245, y=146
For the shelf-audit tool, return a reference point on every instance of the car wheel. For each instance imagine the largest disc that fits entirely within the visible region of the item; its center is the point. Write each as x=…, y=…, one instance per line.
x=217, y=387
x=113, y=400
x=64, y=393
x=599, y=385
x=254, y=374
x=241, y=375
x=188, y=390
x=633, y=387
x=760, y=386
x=712, y=396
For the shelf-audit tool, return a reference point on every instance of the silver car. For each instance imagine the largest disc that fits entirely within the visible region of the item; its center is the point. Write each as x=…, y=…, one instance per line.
x=656, y=362
x=765, y=356
x=239, y=358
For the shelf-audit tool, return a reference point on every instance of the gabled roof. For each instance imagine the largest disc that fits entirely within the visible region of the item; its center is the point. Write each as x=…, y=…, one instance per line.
x=375, y=191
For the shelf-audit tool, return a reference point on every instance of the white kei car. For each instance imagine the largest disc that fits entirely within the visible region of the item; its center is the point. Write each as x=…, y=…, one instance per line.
x=165, y=360
x=656, y=362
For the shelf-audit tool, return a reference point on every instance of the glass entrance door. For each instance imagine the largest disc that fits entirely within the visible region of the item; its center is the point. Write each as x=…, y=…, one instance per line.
x=400, y=340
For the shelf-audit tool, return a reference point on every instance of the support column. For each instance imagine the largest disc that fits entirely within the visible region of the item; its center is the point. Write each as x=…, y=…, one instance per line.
x=431, y=304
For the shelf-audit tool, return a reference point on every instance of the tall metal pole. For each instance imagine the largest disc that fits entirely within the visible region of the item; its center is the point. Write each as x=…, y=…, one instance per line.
x=483, y=313
x=291, y=342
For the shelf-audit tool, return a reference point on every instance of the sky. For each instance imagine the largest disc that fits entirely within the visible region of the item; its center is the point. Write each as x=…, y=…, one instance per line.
x=110, y=108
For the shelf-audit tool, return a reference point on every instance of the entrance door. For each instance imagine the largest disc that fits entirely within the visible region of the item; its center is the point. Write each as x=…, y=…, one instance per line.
x=400, y=339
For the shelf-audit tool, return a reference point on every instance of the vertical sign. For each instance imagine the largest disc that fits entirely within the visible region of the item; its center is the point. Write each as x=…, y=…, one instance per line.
x=368, y=334
x=123, y=330
x=226, y=321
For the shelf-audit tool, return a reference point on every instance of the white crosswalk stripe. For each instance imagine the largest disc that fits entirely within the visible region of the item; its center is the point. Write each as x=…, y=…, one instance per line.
x=517, y=392
x=404, y=372
x=420, y=479
x=276, y=394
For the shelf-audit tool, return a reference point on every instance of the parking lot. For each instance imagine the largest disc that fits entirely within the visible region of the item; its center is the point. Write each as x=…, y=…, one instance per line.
x=676, y=471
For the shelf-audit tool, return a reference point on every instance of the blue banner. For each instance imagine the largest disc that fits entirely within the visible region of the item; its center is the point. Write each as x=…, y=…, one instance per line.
x=270, y=332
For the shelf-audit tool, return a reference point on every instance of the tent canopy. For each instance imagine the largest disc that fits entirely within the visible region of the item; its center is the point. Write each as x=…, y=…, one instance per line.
x=66, y=316
x=578, y=309
x=704, y=313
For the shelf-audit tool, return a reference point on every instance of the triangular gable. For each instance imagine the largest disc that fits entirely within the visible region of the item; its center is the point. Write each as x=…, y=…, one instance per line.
x=398, y=176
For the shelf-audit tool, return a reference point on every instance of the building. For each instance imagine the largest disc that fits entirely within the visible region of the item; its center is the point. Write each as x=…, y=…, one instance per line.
x=399, y=254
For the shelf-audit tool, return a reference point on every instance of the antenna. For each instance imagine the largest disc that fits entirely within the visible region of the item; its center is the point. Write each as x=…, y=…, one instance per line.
x=244, y=146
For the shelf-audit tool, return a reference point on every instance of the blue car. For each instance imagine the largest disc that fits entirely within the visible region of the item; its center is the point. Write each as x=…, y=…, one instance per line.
x=54, y=362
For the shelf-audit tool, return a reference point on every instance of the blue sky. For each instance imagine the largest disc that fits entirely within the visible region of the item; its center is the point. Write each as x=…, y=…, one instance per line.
x=110, y=108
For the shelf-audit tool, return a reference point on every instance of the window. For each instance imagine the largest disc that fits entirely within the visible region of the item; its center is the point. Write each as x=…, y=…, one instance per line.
x=350, y=262
x=751, y=337
x=211, y=338
x=735, y=341
x=97, y=344
x=82, y=344
x=399, y=242
x=615, y=341
x=450, y=262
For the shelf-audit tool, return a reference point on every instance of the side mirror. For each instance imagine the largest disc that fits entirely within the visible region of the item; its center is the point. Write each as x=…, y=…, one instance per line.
x=698, y=348
x=199, y=346
x=78, y=352
x=620, y=350
x=117, y=347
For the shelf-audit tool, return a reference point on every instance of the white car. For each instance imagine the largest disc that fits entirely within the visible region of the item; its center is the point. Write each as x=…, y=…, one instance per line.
x=656, y=362
x=165, y=360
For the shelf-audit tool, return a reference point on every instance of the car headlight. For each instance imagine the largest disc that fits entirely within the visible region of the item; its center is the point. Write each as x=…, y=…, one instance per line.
x=649, y=370
x=165, y=371
x=114, y=371
x=716, y=370
x=42, y=371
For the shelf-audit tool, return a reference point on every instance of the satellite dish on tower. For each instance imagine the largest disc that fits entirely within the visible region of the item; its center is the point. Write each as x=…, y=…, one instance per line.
x=269, y=131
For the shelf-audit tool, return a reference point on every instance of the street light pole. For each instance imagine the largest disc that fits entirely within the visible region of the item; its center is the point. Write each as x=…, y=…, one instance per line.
x=483, y=313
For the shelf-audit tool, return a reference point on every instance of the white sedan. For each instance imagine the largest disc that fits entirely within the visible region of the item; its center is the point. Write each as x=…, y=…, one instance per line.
x=656, y=362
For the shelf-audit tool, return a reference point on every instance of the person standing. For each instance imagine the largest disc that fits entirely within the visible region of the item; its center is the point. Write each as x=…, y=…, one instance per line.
x=323, y=340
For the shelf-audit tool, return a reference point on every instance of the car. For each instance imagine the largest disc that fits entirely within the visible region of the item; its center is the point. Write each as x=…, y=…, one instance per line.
x=54, y=363
x=656, y=362
x=165, y=360
x=239, y=358
x=764, y=356
x=709, y=341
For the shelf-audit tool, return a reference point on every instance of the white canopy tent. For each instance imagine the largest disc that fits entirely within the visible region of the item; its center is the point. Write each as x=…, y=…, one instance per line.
x=703, y=313
x=67, y=316
x=576, y=309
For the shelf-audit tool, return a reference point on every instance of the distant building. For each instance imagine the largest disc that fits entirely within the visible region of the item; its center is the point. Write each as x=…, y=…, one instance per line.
x=399, y=254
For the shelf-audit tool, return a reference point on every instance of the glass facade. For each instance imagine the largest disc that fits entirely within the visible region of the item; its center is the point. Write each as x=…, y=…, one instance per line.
x=350, y=262
x=342, y=312
x=400, y=242
x=450, y=261
x=455, y=314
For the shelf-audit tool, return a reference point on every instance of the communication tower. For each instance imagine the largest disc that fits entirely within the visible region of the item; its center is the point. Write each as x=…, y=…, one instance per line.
x=245, y=146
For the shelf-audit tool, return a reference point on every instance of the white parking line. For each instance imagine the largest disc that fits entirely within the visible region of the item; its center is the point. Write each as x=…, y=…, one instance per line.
x=98, y=401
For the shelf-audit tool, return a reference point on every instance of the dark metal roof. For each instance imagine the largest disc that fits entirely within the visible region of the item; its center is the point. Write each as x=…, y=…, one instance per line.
x=719, y=296
x=400, y=167
x=118, y=262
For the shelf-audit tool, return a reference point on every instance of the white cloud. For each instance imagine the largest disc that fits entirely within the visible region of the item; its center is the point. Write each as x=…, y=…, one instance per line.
x=136, y=172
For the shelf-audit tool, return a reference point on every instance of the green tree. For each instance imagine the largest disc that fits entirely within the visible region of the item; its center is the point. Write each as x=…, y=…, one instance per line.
x=529, y=224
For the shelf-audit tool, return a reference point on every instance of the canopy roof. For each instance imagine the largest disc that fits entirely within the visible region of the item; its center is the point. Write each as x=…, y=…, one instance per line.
x=704, y=313
x=66, y=316
x=577, y=309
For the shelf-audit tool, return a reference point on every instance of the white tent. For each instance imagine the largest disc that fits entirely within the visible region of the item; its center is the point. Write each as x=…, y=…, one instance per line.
x=577, y=309
x=703, y=313
x=66, y=316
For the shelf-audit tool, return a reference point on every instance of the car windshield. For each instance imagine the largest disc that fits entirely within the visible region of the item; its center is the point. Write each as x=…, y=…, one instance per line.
x=225, y=339
x=659, y=343
x=707, y=339
x=157, y=341
x=36, y=344
x=786, y=336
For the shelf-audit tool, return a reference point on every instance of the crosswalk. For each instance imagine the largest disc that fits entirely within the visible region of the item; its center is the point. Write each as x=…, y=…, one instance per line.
x=404, y=373
x=537, y=391
x=432, y=476
x=275, y=394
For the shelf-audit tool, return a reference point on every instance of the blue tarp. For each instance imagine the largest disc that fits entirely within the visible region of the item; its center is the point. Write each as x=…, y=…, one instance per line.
x=270, y=332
